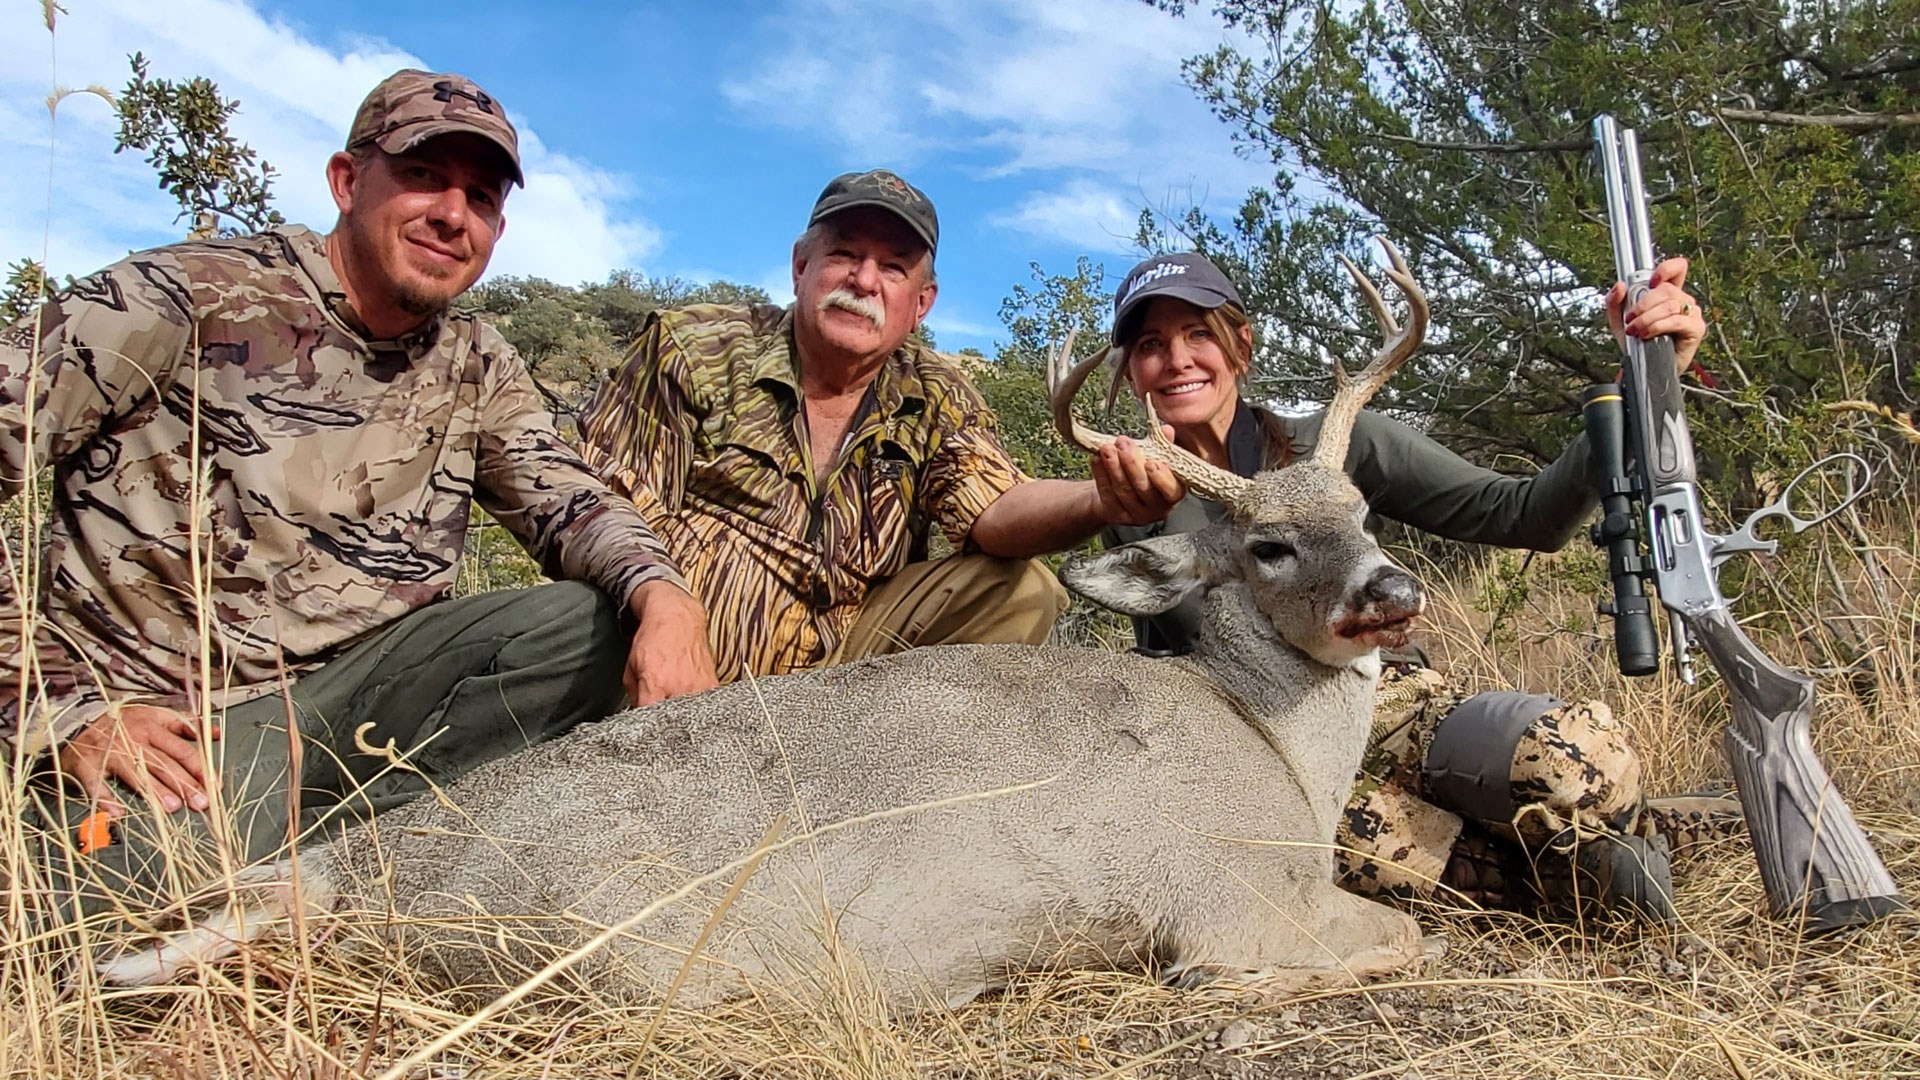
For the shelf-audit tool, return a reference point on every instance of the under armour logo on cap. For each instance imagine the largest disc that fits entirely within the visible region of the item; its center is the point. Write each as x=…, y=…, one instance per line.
x=444, y=90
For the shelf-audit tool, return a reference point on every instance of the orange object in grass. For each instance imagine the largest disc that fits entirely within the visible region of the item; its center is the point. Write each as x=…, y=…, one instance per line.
x=95, y=832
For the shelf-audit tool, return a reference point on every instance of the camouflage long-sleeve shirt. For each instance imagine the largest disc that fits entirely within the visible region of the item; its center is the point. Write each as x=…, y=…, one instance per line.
x=230, y=451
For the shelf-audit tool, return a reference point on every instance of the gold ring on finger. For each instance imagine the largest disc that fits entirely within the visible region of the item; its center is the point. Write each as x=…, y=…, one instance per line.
x=1686, y=309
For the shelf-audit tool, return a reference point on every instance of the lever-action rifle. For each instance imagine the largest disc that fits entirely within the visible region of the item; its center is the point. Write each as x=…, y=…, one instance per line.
x=1814, y=858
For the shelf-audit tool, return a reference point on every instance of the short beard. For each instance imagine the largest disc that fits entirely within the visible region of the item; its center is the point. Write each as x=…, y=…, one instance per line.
x=428, y=298
x=863, y=306
x=419, y=301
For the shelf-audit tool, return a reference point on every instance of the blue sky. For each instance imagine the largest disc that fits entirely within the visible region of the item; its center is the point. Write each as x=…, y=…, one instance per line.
x=674, y=138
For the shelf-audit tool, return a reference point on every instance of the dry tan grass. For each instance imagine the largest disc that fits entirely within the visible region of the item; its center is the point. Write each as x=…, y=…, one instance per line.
x=1730, y=993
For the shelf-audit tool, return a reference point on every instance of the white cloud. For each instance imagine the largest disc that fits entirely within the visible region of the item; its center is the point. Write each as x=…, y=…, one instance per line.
x=297, y=101
x=777, y=283
x=564, y=226
x=807, y=82
x=1082, y=97
x=1084, y=215
x=947, y=325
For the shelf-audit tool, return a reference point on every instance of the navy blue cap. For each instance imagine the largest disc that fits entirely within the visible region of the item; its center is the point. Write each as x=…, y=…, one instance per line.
x=1187, y=276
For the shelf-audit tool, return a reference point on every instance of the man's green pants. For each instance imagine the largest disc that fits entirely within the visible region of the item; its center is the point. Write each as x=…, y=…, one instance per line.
x=416, y=705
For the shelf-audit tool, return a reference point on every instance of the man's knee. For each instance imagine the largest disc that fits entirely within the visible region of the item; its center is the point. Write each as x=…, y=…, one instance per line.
x=1535, y=764
x=1008, y=600
x=572, y=627
x=961, y=599
x=573, y=615
x=568, y=624
x=1023, y=585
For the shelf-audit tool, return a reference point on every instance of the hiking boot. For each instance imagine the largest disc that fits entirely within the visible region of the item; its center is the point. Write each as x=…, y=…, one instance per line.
x=1633, y=873
x=1482, y=870
x=1609, y=871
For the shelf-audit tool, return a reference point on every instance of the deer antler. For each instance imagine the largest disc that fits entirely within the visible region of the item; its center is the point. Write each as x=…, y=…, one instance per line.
x=1352, y=392
x=1063, y=381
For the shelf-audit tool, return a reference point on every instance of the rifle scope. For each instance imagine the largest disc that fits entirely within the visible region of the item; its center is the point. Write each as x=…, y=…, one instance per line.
x=1635, y=644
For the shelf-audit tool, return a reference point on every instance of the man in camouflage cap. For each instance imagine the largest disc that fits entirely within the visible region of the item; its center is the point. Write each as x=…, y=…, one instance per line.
x=796, y=460
x=266, y=452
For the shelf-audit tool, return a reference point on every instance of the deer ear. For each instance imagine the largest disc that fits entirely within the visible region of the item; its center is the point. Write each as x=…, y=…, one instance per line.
x=1143, y=578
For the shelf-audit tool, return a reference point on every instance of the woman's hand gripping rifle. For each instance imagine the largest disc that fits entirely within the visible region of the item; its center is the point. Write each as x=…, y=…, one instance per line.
x=1815, y=861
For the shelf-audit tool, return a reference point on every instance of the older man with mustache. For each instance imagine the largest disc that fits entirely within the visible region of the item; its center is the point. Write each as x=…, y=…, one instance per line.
x=795, y=460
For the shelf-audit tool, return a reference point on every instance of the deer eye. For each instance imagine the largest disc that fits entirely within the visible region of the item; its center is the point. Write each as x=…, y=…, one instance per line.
x=1272, y=551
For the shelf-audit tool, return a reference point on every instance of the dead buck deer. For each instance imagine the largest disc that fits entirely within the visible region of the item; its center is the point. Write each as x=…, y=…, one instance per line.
x=1174, y=814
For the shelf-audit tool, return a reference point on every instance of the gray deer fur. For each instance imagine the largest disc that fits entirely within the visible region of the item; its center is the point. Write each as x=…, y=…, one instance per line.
x=1173, y=814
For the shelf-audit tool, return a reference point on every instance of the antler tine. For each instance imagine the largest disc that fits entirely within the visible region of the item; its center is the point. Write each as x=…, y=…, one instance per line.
x=1372, y=296
x=1352, y=393
x=1064, y=378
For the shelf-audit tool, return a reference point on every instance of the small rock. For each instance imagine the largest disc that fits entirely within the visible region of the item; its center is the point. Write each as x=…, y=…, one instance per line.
x=1238, y=1034
x=1386, y=1011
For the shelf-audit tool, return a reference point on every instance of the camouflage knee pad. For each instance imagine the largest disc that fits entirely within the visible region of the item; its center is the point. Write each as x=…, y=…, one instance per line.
x=1391, y=841
x=1529, y=767
x=1534, y=769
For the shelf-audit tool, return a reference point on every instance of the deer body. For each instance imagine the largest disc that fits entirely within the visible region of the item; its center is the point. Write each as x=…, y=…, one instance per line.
x=1172, y=813
x=1149, y=838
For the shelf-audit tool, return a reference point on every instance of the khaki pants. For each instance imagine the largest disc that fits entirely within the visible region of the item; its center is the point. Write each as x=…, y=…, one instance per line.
x=961, y=599
x=446, y=688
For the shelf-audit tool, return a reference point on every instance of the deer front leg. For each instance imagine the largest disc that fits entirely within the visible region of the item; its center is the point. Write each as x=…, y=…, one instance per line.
x=1328, y=937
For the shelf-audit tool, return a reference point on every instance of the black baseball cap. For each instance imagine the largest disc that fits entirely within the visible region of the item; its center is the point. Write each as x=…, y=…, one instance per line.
x=878, y=187
x=1187, y=276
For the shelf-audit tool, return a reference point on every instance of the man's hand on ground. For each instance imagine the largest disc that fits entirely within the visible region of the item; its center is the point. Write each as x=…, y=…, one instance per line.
x=670, y=655
x=152, y=750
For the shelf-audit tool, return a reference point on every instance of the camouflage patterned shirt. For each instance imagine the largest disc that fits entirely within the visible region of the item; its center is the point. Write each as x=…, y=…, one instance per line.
x=703, y=428
x=219, y=426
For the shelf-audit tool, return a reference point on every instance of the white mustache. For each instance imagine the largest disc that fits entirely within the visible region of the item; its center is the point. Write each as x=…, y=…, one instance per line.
x=865, y=306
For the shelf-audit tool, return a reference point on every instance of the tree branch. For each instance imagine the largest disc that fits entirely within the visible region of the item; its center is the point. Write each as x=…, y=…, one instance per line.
x=1839, y=121
x=1584, y=142
x=1890, y=62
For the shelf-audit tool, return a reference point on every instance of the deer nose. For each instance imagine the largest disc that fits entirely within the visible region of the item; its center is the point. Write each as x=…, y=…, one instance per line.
x=1394, y=592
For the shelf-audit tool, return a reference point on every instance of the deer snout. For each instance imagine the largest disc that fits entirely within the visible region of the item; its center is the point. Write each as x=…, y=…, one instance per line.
x=1394, y=593
x=1383, y=609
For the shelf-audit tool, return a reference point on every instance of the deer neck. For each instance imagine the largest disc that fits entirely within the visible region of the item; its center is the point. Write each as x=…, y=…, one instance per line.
x=1316, y=717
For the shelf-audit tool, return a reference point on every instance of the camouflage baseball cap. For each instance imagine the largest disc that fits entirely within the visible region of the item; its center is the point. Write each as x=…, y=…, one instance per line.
x=409, y=107
x=878, y=187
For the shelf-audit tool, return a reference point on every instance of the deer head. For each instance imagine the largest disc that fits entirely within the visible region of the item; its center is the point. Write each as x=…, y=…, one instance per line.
x=1296, y=540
